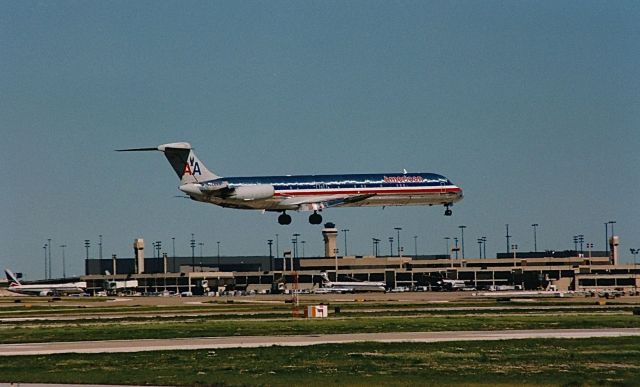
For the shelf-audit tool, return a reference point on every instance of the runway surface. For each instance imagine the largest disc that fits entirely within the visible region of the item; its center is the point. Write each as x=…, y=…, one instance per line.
x=112, y=346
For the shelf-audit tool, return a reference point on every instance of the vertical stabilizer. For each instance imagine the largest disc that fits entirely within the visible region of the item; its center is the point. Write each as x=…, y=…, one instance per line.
x=325, y=278
x=185, y=163
x=11, y=277
x=183, y=160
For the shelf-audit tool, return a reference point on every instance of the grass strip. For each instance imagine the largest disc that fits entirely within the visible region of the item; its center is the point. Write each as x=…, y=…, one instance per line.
x=531, y=362
x=159, y=328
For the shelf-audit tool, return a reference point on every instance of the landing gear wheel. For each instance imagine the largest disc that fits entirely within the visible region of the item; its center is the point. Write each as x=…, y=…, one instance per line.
x=315, y=218
x=448, y=211
x=284, y=219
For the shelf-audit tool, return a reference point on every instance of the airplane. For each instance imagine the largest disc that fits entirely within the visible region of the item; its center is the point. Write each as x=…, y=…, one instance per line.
x=305, y=192
x=338, y=290
x=43, y=289
x=352, y=286
x=451, y=285
x=115, y=285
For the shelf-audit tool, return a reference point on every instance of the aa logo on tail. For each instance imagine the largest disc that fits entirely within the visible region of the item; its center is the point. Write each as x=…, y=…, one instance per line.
x=192, y=167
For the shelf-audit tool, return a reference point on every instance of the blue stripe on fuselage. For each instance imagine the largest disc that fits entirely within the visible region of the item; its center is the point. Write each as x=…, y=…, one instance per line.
x=340, y=181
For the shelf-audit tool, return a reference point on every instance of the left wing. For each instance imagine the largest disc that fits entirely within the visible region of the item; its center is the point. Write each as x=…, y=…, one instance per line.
x=315, y=203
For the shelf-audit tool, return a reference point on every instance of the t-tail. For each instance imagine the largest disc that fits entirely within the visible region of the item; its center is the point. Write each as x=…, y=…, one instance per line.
x=183, y=160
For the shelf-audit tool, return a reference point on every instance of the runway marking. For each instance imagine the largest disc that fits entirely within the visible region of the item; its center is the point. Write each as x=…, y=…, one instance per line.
x=122, y=346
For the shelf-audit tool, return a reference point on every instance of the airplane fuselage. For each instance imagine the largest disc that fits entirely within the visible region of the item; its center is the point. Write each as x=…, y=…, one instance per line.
x=307, y=192
x=48, y=289
x=358, y=286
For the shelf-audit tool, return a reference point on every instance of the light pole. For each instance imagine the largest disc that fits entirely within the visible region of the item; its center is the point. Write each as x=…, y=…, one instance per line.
x=45, y=260
x=415, y=246
x=455, y=248
x=515, y=249
x=270, y=243
x=612, y=222
x=375, y=246
x=193, y=253
x=398, y=229
x=100, y=247
x=158, y=247
x=535, y=238
x=448, y=251
x=50, y=262
x=303, y=243
x=218, y=242
x=345, y=231
x=64, y=269
x=295, y=246
x=635, y=274
x=606, y=237
x=581, y=240
x=575, y=243
x=479, y=247
x=277, y=246
x=484, y=246
x=462, y=238
x=508, y=237
x=173, y=244
x=87, y=244
x=391, y=246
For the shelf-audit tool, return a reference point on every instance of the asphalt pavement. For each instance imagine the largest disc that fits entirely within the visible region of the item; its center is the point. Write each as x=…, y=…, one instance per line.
x=111, y=346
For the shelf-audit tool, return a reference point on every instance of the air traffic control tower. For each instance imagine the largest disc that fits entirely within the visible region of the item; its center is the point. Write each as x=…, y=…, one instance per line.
x=329, y=233
x=138, y=249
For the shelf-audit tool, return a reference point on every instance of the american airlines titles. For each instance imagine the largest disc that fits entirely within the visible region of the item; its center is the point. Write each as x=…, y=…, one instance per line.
x=403, y=179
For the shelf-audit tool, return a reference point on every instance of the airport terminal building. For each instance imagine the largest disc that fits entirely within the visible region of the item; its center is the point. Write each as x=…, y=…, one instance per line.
x=565, y=271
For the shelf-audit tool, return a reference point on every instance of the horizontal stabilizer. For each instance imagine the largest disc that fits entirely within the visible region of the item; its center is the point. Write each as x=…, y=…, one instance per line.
x=137, y=150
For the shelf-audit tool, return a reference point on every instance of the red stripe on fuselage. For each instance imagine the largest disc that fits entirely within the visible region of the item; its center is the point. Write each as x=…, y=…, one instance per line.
x=364, y=191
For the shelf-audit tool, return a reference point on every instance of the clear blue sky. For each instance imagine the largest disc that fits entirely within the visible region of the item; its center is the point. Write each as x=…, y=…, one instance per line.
x=533, y=108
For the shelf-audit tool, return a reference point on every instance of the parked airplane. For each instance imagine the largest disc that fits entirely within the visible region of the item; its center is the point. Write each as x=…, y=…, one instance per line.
x=305, y=192
x=450, y=285
x=115, y=285
x=352, y=286
x=43, y=289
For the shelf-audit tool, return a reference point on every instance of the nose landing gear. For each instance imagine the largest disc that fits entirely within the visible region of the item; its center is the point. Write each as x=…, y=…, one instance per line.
x=448, y=211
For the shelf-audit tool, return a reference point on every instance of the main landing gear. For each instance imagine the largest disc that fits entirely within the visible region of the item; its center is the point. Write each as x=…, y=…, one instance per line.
x=448, y=211
x=315, y=218
x=284, y=219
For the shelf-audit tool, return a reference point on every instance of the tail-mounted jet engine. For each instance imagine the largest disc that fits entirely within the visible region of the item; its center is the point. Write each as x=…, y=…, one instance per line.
x=251, y=192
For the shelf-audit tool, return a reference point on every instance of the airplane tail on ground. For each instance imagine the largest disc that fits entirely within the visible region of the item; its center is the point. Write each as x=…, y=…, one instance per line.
x=325, y=277
x=11, y=277
x=183, y=160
